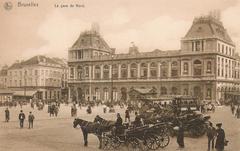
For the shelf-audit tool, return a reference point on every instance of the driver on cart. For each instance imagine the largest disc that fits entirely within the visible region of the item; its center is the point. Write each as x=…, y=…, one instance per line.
x=137, y=122
x=118, y=124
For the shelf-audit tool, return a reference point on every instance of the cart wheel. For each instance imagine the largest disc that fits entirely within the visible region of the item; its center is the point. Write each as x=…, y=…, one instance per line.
x=115, y=141
x=163, y=140
x=134, y=144
x=152, y=142
x=106, y=143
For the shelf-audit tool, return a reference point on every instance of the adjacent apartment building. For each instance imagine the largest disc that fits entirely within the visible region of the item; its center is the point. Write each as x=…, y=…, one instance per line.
x=206, y=66
x=39, y=77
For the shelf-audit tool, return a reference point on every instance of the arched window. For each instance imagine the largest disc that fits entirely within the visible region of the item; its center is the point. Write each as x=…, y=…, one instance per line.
x=163, y=90
x=153, y=70
x=209, y=93
x=185, y=68
x=174, y=69
x=185, y=91
x=124, y=71
x=97, y=93
x=106, y=72
x=197, y=68
x=105, y=95
x=133, y=70
x=164, y=70
x=86, y=71
x=97, y=71
x=115, y=71
x=209, y=67
x=143, y=70
x=79, y=72
x=174, y=90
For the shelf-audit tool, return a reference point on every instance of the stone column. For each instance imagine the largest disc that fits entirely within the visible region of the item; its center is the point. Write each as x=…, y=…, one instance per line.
x=148, y=70
x=159, y=70
x=128, y=71
x=93, y=72
x=138, y=70
x=101, y=67
x=90, y=72
x=169, y=69
x=110, y=71
x=119, y=71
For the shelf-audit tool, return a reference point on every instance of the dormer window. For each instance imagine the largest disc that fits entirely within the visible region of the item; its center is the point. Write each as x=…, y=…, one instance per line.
x=198, y=46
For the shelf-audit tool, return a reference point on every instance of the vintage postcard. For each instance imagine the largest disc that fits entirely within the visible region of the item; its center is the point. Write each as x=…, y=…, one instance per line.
x=127, y=75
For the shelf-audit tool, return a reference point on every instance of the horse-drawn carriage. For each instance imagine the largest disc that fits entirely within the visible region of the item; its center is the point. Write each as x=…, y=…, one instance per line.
x=151, y=137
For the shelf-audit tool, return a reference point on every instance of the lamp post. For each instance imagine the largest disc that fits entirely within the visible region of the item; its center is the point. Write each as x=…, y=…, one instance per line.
x=25, y=83
x=112, y=78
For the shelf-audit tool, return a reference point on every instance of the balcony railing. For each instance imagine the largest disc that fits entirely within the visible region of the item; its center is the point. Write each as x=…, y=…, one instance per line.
x=180, y=78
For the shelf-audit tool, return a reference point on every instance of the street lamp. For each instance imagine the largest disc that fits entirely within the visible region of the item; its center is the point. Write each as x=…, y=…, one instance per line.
x=25, y=83
x=112, y=78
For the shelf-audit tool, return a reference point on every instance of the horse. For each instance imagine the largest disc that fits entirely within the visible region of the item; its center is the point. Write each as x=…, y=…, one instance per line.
x=107, y=125
x=89, y=128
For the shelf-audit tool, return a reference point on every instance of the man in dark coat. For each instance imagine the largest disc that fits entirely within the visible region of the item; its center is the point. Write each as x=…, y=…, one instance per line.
x=118, y=124
x=30, y=120
x=220, y=138
x=137, y=122
x=7, y=115
x=211, y=133
x=21, y=118
x=127, y=116
x=180, y=136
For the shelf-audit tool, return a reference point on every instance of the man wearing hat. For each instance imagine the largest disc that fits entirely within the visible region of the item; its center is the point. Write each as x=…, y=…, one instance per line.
x=21, y=118
x=220, y=137
x=211, y=133
x=118, y=123
x=30, y=120
x=180, y=135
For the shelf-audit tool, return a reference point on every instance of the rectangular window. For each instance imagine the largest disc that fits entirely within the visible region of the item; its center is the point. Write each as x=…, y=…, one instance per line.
x=222, y=48
x=197, y=46
x=219, y=47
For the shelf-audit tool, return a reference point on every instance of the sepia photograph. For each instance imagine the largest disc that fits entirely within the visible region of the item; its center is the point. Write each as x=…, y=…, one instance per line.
x=119, y=75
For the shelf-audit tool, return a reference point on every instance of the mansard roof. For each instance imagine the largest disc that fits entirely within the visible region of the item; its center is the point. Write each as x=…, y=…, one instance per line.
x=91, y=39
x=35, y=61
x=208, y=27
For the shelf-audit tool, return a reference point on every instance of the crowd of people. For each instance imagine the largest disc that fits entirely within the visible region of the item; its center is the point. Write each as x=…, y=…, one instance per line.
x=216, y=136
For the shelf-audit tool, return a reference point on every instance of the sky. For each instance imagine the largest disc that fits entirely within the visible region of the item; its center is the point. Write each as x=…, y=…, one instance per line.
x=150, y=24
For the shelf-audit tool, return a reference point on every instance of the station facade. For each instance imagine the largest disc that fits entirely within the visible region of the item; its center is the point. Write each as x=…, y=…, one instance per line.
x=206, y=66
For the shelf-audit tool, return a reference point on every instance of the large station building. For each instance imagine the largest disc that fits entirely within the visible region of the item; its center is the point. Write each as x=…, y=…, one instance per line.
x=206, y=66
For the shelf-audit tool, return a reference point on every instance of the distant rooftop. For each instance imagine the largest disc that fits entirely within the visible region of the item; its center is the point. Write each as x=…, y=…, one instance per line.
x=208, y=27
x=35, y=61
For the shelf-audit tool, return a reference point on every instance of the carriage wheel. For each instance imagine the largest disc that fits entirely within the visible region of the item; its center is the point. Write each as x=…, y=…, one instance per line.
x=115, y=142
x=134, y=144
x=163, y=140
x=152, y=142
x=106, y=143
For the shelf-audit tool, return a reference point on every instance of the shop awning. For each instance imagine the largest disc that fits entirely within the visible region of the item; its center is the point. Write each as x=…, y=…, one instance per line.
x=24, y=93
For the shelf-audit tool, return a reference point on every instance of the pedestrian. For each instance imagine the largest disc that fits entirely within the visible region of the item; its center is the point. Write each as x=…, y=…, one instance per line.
x=237, y=114
x=233, y=108
x=220, y=138
x=137, y=122
x=7, y=115
x=21, y=118
x=30, y=120
x=127, y=115
x=118, y=124
x=104, y=108
x=180, y=136
x=211, y=133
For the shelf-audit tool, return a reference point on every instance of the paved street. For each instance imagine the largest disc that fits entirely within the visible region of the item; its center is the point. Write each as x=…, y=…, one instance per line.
x=57, y=134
